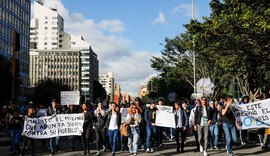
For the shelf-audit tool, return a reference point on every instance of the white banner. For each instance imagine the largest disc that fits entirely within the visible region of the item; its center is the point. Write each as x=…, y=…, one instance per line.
x=70, y=97
x=253, y=115
x=52, y=126
x=165, y=117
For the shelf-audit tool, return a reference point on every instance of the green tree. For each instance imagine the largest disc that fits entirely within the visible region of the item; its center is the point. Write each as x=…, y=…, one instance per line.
x=5, y=79
x=48, y=89
x=99, y=92
x=232, y=42
x=237, y=33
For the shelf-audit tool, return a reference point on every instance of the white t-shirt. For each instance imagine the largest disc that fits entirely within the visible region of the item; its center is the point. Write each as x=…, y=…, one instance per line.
x=113, y=122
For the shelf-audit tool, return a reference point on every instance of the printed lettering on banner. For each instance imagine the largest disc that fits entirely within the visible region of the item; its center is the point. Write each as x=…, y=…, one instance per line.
x=252, y=115
x=52, y=126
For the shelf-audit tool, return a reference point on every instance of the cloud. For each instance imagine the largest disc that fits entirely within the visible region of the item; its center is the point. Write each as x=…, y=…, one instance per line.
x=130, y=68
x=185, y=10
x=114, y=26
x=161, y=19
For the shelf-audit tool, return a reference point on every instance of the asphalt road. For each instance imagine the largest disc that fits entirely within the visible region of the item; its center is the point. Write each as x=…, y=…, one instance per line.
x=252, y=149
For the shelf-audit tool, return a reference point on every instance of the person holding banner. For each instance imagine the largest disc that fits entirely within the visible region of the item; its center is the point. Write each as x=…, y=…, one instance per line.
x=229, y=123
x=133, y=119
x=150, y=119
x=202, y=122
x=181, y=122
x=53, y=111
x=244, y=133
x=87, y=128
x=30, y=114
x=113, y=124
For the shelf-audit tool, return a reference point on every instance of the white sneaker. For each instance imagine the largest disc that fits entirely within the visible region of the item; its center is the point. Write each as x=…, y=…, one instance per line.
x=147, y=150
x=205, y=153
x=201, y=148
x=152, y=150
x=243, y=144
x=231, y=154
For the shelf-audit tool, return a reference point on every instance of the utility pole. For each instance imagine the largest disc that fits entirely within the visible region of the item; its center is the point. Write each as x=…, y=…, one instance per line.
x=193, y=51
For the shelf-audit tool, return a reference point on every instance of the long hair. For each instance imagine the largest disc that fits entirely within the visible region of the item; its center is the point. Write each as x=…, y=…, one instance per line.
x=137, y=107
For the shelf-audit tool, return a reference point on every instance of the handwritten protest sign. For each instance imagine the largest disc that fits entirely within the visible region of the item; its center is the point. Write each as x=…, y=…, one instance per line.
x=165, y=108
x=165, y=116
x=70, y=97
x=52, y=126
x=253, y=115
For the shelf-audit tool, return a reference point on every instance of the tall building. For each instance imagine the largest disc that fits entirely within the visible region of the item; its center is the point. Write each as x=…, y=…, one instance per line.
x=47, y=34
x=107, y=81
x=59, y=65
x=117, y=93
x=15, y=19
x=47, y=28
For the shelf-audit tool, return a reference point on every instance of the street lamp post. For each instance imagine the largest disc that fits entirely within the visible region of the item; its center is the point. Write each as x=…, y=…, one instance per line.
x=193, y=51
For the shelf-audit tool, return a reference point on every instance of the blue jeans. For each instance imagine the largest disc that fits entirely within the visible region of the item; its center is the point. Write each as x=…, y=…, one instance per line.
x=15, y=139
x=133, y=139
x=150, y=132
x=113, y=135
x=230, y=134
x=214, y=134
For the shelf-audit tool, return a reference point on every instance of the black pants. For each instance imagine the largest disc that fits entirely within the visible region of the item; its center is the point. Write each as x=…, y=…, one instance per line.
x=100, y=138
x=32, y=141
x=143, y=133
x=86, y=136
x=159, y=135
x=182, y=132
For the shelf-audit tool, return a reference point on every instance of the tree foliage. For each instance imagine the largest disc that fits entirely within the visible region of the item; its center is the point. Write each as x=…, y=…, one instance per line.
x=232, y=42
x=99, y=92
x=48, y=89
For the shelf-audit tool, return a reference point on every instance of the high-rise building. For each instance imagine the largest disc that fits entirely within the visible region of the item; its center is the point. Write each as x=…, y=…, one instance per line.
x=107, y=81
x=47, y=33
x=58, y=65
x=15, y=19
x=47, y=28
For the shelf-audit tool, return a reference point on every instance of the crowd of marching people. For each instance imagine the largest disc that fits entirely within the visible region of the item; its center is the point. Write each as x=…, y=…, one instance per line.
x=211, y=122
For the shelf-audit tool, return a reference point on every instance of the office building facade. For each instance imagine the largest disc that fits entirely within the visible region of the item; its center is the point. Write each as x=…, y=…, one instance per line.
x=15, y=19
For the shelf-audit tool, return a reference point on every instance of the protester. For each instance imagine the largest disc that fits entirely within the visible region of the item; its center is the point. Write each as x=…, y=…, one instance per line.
x=123, y=138
x=192, y=126
x=87, y=128
x=142, y=124
x=72, y=110
x=54, y=142
x=202, y=122
x=244, y=133
x=181, y=123
x=99, y=125
x=30, y=114
x=15, y=129
x=214, y=117
x=113, y=123
x=229, y=124
x=150, y=119
x=133, y=119
x=159, y=129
